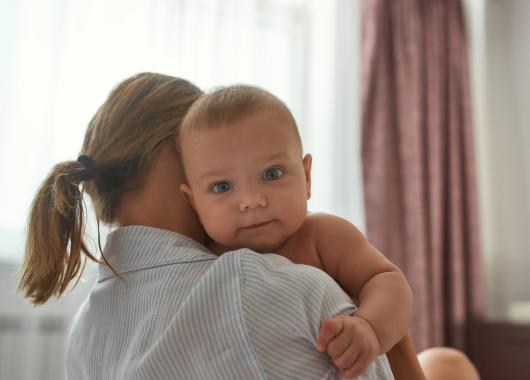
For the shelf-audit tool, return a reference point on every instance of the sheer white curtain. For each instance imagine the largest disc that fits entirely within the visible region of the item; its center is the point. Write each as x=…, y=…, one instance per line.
x=64, y=57
x=60, y=58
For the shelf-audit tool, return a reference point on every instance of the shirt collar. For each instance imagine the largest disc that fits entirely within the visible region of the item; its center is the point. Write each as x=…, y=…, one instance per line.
x=134, y=248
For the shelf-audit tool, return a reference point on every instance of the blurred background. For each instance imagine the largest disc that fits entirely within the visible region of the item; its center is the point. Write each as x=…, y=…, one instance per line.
x=416, y=114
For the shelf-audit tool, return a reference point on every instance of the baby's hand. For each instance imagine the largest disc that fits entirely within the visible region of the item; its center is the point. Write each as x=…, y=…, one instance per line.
x=351, y=343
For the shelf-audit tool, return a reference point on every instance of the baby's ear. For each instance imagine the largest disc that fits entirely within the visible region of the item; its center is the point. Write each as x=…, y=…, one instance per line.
x=177, y=142
x=185, y=190
x=307, y=170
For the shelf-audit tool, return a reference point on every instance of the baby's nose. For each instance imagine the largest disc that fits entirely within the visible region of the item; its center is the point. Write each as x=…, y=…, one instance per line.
x=253, y=200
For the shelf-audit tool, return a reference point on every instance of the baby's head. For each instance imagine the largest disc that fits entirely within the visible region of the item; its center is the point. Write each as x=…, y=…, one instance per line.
x=247, y=177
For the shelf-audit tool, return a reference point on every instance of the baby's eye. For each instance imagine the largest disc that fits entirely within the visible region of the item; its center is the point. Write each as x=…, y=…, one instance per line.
x=272, y=174
x=221, y=187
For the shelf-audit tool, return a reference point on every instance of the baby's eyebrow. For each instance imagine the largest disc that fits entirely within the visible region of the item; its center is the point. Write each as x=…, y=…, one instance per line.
x=213, y=174
x=275, y=156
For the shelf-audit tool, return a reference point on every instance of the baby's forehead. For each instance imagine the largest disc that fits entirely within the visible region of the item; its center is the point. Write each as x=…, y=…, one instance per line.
x=248, y=129
x=263, y=119
x=256, y=139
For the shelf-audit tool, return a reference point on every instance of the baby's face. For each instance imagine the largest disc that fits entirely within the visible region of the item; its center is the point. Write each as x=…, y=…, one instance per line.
x=247, y=180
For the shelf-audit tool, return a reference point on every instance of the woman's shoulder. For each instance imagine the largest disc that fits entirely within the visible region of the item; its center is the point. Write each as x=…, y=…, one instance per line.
x=278, y=273
x=297, y=289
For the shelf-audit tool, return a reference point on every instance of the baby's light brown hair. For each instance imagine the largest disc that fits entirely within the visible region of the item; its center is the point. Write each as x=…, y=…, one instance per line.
x=229, y=104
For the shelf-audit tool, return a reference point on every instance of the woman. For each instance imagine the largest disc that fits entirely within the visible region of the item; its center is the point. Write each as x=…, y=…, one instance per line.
x=163, y=306
x=171, y=309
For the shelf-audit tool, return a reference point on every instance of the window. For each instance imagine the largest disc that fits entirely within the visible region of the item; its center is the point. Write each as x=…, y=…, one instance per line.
x=60, y=60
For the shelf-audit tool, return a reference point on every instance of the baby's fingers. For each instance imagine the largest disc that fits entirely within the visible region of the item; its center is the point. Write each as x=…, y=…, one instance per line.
x=328, y=330
x=338, y=345
x=357, y=369
x=347, y=358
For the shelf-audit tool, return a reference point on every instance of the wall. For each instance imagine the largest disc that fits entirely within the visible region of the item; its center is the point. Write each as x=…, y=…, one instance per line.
x=32, y=340
x=500, y=40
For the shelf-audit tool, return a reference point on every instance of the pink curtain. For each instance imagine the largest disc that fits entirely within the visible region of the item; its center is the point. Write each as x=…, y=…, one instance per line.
x=418, y=160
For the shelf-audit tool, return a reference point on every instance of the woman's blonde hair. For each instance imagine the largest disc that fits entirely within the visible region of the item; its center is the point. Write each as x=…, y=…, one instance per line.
x=122, y=141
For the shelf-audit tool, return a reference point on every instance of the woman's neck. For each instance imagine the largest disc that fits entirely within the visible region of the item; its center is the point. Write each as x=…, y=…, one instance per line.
x=159, y=203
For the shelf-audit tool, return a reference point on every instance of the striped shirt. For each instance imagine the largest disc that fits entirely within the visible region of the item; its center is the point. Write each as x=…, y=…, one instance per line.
x=183, y=313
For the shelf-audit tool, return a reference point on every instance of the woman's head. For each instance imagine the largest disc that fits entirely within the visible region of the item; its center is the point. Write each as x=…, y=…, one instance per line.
x=123, y=141
x=125, y=134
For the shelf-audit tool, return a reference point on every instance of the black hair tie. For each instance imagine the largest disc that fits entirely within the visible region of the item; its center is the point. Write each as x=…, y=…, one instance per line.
x=90, y=168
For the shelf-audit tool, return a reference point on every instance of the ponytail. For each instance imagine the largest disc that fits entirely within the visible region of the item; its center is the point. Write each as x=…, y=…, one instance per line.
x=56, y=234
x=121, y=143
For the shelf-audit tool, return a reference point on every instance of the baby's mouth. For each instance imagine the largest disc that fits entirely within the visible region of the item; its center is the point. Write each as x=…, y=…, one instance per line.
x=257, y=225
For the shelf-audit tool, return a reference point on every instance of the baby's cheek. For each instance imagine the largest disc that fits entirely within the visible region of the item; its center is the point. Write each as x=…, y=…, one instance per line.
x=297, y=212
x=219, y=229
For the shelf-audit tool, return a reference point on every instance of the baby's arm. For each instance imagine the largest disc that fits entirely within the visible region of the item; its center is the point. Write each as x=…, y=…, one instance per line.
x=383, y=294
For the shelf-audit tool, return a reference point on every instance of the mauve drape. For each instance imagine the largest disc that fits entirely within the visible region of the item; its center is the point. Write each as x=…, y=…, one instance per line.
x=418, y=160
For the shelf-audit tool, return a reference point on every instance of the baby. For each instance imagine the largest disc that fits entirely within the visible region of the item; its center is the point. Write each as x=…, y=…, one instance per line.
x=249, y=182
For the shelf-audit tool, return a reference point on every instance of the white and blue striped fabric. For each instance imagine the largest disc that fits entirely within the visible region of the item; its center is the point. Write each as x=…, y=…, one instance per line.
x=183, y=313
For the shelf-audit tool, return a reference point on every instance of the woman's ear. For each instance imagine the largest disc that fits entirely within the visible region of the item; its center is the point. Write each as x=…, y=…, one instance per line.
x=185, y=190
x=307, y=161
